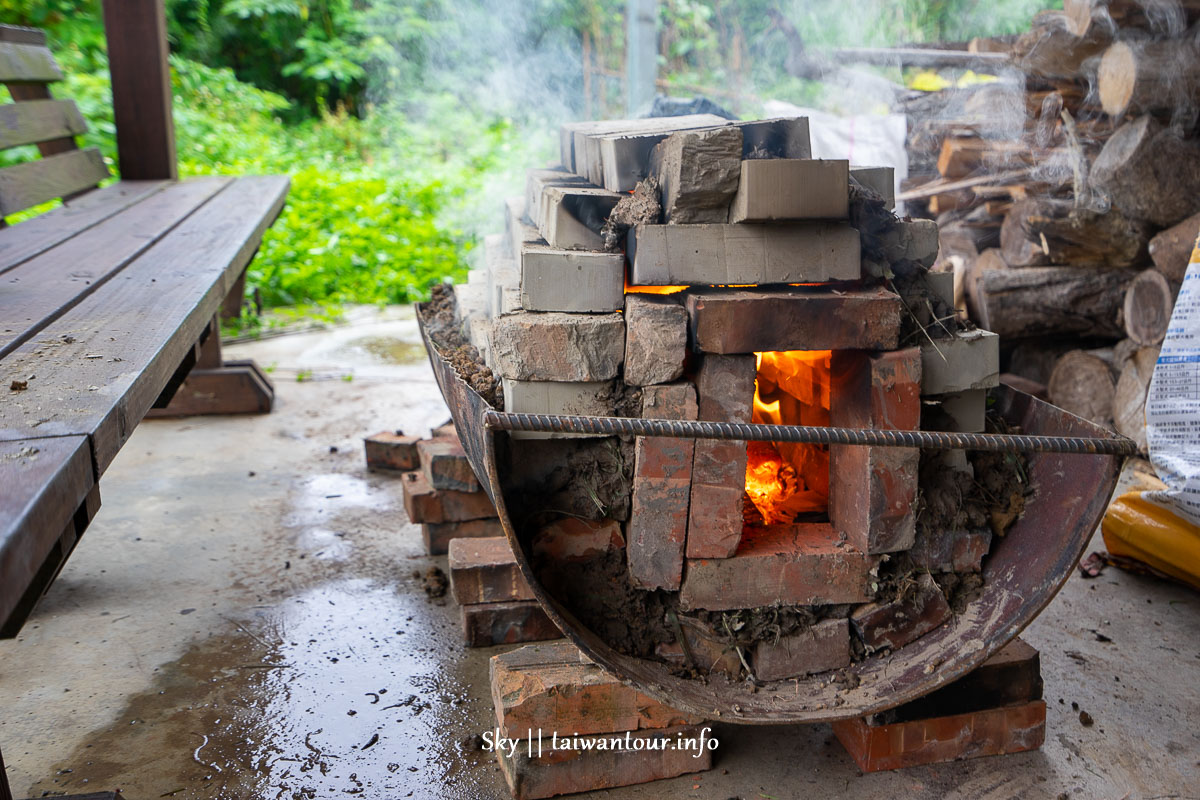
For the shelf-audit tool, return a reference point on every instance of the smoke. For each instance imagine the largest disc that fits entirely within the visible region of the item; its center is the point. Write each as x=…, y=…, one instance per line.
x=486, y=83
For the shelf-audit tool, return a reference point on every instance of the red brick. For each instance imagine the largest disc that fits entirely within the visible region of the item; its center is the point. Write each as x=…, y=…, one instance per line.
x=1011, y=729
x=485, y=571
x=951, y=551
x=872, y=492
x=921, y=609
x=657, y=530
x=391, y=450
x=725, y=388
x=873, y=489
x=1011, y=676
x=426, y=504
x=552, y=773
x=781, y=565
x=556, y=689
x=795, y=318
x=669, y=401
x=438, y=535
x=715, y=517
x=824, y=646
x=487, y=624
x=876, y=390
x=574, y=539
x=445, y=465
x=970, y=550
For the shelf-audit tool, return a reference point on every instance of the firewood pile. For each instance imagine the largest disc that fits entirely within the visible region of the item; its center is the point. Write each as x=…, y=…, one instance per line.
x=1066, y=195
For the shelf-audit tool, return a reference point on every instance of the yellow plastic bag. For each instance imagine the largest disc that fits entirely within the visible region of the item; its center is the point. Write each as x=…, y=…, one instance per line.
x=1138, y=528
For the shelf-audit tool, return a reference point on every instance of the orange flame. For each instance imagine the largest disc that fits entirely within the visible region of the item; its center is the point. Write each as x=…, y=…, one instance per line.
x=629, y=289
x=785, y=479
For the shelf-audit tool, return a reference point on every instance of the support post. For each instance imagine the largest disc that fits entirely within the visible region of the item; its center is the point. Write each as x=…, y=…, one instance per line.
x=641, y=53
x=136, y=31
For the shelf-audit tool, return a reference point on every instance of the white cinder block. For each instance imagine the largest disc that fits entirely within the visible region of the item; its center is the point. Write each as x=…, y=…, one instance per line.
x=968, y=360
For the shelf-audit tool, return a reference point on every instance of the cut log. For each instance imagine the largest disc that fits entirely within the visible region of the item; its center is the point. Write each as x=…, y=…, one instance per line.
x=961, y=156
x=1162, y=18
x=1129, y=400
x=1035, y=360
x=1149, y=301
x=1150, y=172
x=1052, y=301
x=1139, y=77
x=1052, y=50
x=1172, y=249
x=973, y=272
x=1083, y=384
x=1041, y=231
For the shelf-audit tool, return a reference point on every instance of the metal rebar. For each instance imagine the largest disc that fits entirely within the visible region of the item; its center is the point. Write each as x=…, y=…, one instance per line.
x=687, y=429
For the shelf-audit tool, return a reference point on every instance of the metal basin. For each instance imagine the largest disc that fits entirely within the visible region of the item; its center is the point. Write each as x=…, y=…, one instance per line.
x=1023, y=572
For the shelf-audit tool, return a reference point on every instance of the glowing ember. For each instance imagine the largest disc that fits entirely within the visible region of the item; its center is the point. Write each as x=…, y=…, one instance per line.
x=785, y=479
x=653, y=289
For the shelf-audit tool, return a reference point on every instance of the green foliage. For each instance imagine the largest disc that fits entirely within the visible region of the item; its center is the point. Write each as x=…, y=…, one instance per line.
x=378, y=241
x=402, y=122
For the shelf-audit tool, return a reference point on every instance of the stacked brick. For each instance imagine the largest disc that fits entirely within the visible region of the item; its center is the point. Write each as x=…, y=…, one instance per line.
x=441, y=492
x=457, y=519
x=754, y=248
x=497, y=605
x=995, y=710
x=578, y=729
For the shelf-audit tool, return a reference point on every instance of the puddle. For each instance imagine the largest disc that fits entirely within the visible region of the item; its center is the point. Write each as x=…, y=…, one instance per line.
x=345, y=688
x=388, y=349
x=321, y=498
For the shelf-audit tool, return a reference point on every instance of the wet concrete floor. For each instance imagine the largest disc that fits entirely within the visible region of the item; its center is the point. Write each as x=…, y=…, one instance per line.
x=245, y=619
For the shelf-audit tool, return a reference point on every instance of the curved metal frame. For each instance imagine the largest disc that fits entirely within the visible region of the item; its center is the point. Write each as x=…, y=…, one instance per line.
x=1022, y=574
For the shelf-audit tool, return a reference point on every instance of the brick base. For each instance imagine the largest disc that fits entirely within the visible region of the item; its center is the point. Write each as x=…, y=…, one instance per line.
x=437, y=536
x=488, y=624
x=554, y=772
x=391, y=450
x=993, y=732
x=994, y=710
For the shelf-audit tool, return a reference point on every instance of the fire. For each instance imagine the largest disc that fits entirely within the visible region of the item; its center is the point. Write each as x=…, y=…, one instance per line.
x=785, y=479
x=652, y=289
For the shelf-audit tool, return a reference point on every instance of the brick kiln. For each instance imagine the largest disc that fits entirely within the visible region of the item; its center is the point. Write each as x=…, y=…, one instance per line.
x=698, y=270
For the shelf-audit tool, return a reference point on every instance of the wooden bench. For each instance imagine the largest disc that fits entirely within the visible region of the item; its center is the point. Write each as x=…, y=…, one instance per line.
x=109, y=304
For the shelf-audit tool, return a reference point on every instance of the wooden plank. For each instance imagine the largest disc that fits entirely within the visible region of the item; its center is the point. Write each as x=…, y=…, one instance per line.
x=29, y=92
x=45, y=481
x=21, y=35
x=44, y=288
x=136, y=31
x=26, y=185
x=37, y=235
x=39, y=121
x=142, y=323
x=27, y=63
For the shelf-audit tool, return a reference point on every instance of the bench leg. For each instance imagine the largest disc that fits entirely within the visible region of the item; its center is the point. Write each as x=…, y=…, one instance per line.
x=215, y=386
